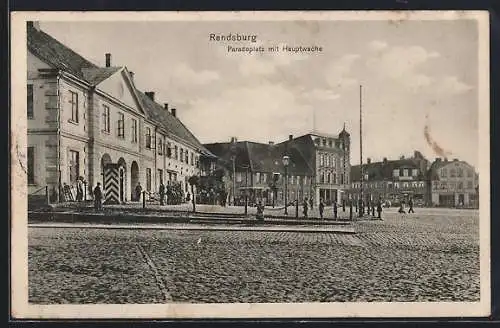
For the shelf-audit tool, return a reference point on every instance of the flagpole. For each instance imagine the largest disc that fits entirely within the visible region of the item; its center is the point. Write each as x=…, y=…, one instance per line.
x=361, y=208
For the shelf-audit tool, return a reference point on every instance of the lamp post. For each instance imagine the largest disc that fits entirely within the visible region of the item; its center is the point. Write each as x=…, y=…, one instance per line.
x=286, y=161
x=246, y=188
x=233, y=158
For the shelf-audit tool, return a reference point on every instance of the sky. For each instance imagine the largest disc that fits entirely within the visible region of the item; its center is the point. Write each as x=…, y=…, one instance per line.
x=419, y=79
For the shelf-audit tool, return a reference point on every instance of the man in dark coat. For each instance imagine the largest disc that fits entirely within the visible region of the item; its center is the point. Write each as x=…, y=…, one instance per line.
x=410, y=203
x=98, y=197
x=305, y=207
x=311, y=203
x=161, y=191
x=335, y=210
x=321, y=208
x=379, y=209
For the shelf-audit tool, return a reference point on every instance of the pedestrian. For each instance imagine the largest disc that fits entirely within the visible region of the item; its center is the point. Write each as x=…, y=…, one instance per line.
x=260, y=211
x=410, y=204
x=401, y=209
x=79, y=189
x=373, y=209
x=305, y=207
x=335, y=210
x=379, y=209
x=311, y=203
x=138, y=191
x=321, y=208
x=161, y=191
x=98, y=197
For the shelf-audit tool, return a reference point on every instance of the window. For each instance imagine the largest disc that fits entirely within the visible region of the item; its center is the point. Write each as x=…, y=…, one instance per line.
x=239, y=177
x=405, y=172
x=74, y=166
x=192, y=159
x=148, y=138
x=29, y=107
x=460, y=172
x=31, y=165
x=176, y=154
x=186, y=157
x=134, y=130
x=160, y=176
x=74, y=106
x=469, y=184
x=444, y=173
x=121, y=125
x=181, y=157
x=257, y=177
x=395, y=173
x=105, y=119
x=469, y=173
x=169, y=150
x=329, y=178
x=460, y=185
x=396, y=185
x=453, y=173
x=335, y=178
x=330, y=143
x=148, y=179
x=414, y=172
x=160, y=146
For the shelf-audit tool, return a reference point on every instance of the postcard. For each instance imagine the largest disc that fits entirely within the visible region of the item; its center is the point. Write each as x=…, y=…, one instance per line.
x=250, y=164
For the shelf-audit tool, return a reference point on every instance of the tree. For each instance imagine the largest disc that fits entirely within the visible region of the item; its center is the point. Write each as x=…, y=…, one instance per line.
x=194, y=181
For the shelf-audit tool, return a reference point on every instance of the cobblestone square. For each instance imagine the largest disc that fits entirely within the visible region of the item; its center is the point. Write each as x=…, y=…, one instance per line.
x=430, y=256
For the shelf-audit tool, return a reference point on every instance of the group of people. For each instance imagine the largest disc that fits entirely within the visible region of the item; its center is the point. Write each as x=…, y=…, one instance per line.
x=410, y=205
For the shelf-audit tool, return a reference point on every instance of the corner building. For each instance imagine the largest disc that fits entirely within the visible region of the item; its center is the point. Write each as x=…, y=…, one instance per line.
x=92, y=122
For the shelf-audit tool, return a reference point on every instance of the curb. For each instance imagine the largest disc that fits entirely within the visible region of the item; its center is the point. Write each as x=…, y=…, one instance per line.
x=254, y=228
x=116, y=218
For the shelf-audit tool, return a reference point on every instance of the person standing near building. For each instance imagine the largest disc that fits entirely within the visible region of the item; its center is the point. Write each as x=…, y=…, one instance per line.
x=321, y=208
x=98, y=197
x=335, y=208
x=379, y=209
x=410, y=204
x=161, y=191
x=138, y=191
x=79, y=189
x=311, y=203
x=305, y=207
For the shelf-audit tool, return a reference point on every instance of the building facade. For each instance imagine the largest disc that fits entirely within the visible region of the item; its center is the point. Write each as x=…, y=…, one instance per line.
x=91, y=122
x=318, y=168
x=393, y=181
x=453, y=184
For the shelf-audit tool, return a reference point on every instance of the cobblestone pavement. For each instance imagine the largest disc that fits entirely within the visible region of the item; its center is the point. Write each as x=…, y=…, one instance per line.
x=426, y=257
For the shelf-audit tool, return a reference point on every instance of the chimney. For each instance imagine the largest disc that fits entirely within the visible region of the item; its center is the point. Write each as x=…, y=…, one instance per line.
x=165, y=106
x=151, y=95
x=35, y=25
x=233, y=139
x=438, y=159
x=290, y=137
x=174, y=112
x=108, y=60
x=271, y=143
x=368, y=160
x=132, y=76
x=402, y=157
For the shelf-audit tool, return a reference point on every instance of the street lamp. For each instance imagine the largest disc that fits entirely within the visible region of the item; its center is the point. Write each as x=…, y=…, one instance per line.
x=286, y=161
x=246, y=188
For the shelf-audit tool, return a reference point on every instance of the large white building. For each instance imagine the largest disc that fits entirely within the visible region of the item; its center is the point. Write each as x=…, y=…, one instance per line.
x=91, y=121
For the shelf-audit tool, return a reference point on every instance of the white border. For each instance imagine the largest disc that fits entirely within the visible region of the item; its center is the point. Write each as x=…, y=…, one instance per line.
x=19, y=240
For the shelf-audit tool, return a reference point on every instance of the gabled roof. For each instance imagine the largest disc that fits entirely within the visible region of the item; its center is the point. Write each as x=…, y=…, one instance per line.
x=96, y=75
x=260, y=157
x=169, y=123
x=55, y=53
x=439, y=163
x=383, y=170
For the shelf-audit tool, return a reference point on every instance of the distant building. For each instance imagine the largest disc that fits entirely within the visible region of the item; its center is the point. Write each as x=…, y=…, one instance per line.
x=453, y=184
x=92, y=122
x=319, y=167
x=392, y=180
